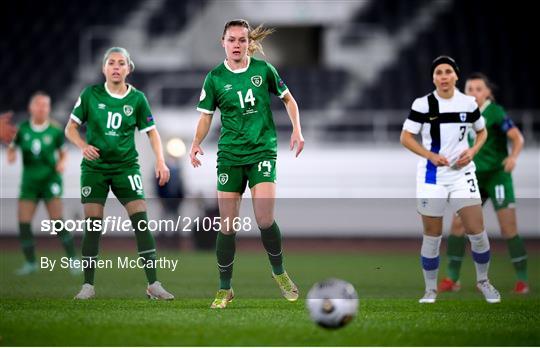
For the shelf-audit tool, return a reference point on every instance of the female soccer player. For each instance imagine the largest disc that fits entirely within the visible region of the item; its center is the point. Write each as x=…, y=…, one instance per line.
x=240, y=87
x=493, y=169
x=41, y=142
x=111, y=112
x=446, y=174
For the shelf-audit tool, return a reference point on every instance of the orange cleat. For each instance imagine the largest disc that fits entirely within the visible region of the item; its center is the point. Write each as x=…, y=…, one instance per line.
x=448, y=284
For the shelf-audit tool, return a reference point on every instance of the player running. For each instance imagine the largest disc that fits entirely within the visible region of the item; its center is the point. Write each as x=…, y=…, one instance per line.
x=112, y=111
x=41, y=141
x=247, y=150
x=446, y=173
x=493, y=169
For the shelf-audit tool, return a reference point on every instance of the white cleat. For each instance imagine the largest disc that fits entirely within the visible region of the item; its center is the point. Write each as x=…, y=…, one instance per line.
x=156, y=292
x=26, y=269
x=490, y=293
x=429, y=297
x=87, y=292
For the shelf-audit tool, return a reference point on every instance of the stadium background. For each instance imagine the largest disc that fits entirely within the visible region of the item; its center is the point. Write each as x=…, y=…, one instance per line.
x=353, y=66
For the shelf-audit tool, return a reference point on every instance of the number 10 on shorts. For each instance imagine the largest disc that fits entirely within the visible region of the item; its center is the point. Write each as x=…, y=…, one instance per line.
x=135, y=181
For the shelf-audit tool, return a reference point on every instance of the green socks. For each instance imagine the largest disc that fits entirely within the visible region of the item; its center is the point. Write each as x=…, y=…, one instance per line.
x=146, y=245
x=271, y=239
x=67, y=242
x=90, y=247
x=27, y=242
x=518, y=254
x=225, y=249
x=455, y=252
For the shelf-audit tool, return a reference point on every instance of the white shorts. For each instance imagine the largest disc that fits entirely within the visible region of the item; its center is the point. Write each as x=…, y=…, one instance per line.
x=432, y=199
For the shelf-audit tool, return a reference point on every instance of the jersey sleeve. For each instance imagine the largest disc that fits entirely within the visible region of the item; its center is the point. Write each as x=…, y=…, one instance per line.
x=505, y=122
x=478, y=121
x=80, y=110
x=207, y=99
x=276, y=84
x=145, y=119
x=417, y=115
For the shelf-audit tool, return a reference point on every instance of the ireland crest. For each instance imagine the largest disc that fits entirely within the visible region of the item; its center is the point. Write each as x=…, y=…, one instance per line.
x=223, y=178
x=128, y=110
x=85, y=191
x=256, y=80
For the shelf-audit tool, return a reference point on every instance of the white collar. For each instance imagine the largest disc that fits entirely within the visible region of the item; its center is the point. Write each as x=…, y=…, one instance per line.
x=436, y=94
x=38, y=128
x=485, y=105
x=237, y=71
x=118, y=96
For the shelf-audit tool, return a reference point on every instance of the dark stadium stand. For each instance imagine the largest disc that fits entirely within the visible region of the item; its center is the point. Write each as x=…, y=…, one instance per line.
x=173, y=16
x=494, y=39
x=44, y=38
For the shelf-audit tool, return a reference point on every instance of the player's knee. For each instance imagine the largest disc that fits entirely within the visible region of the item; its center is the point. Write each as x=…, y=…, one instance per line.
x=136, y=206
x=265, y=221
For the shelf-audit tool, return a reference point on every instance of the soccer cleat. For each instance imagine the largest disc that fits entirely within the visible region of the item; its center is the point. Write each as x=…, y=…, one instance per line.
x=521, y=288
x=155, y=291
x=87, y=292
x=429, y=297
x=26, y=269
x=223, y=297
x=448, y=284
x=288, y=289
x=490, y=293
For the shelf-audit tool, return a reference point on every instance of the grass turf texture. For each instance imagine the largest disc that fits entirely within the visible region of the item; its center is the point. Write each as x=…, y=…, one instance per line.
x=38, y=310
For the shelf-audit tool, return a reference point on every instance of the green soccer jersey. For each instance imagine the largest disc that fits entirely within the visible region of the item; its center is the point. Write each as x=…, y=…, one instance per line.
x=110, y=125
x=495, y=150
x=248, y=133
x=39, y=145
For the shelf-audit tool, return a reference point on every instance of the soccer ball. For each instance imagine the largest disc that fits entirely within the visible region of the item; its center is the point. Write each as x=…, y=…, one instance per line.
x=332, y=303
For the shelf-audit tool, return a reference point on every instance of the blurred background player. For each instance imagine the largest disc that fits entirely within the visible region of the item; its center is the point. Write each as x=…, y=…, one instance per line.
x=240, y=87
x=446, y=173
x=494, y=166
x=7, y=130
x=41, y=142
x=111, y=112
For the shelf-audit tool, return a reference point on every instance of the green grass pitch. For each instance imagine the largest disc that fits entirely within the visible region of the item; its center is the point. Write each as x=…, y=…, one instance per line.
x=39, y=310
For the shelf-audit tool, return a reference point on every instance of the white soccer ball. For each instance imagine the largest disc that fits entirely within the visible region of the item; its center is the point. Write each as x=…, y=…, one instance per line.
x=332, y=303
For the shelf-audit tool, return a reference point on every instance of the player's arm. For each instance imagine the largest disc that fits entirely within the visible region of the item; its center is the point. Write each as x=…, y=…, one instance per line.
x=162, y=171
x=467, y=156
x=12, y=153
x=516, y=138
x=294, y=115
x=62, y=157
x=203, y=127
x=409, y=141
x=72, y=134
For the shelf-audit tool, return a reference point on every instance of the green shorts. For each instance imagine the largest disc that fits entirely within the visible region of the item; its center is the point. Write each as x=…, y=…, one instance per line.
x=46, y=189
x=125, y=184
x=235, y=178
x=498, y=187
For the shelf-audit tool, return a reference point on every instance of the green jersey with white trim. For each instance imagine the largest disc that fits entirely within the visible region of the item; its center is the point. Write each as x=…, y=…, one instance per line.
x=110, y=125
x=495, y=149
x=38, y=145
x=248, y=133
